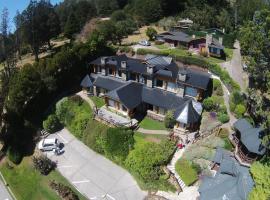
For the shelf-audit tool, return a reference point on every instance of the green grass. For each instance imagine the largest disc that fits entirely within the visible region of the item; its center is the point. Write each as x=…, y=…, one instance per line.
x=151, y=124
x=139, y=135
x=228, y=145
x=99, y=102
x=187, y=171
x=161, y=46
x=229, y=53
x=27, y=183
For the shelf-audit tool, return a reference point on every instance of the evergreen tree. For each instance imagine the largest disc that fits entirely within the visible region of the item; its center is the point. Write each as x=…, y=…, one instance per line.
x=72, y=26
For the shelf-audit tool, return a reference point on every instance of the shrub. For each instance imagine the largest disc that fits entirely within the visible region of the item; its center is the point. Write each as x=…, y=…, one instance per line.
x=51, y=124
x=209, y=104
x=117, y=144
x=43, y=164
x=157, y=42
x=240, y=110
x=223, y=133
x=151, y=33
x=14, y=155
x=147, y=159
x=187, y=170
x=217, y=87
x=64, y=191
x=223, y=118
x=169, y=120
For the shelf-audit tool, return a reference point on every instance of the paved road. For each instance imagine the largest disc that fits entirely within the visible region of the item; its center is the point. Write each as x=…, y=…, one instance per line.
x=92, y=174
x=235, y=69
x=4, y=195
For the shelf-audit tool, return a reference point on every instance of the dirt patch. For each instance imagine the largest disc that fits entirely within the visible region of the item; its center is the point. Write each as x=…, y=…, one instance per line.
x=153, y=139
x=140, y=35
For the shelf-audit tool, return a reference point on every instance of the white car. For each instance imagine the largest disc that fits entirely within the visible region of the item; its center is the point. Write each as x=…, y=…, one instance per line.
x=48, y=144
x=145, y=43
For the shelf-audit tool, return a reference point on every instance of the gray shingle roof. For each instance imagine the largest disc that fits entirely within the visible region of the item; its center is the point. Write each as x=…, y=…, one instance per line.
x=250, y=137
x=108, y=83
x=186, y=113
x=129, y=94
x=235, y=184
x=176, y=36
x=197, y=78
x=86, y=82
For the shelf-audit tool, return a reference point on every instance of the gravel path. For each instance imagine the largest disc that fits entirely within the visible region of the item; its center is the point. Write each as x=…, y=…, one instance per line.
x=153, y=132
x=235, y=69
x=86, y=98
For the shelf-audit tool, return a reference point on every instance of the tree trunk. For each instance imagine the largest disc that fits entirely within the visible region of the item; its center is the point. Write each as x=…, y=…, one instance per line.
x=36, y=54
x=49, y=45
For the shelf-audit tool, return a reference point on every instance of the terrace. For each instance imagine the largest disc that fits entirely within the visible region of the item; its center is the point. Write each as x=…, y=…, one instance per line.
x=114, y=119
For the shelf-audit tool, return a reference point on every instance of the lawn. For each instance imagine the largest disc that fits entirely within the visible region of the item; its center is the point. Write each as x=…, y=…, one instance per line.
x=148, y=123
x=187, y=171
x=99, y=102
x=27, y=183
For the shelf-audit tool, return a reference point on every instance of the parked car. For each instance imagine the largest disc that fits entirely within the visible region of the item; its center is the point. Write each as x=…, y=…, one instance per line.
x=144, y=43
x=48, y=144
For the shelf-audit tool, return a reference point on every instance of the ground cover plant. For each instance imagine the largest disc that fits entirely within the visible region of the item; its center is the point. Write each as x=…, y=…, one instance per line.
x=187, y=170
x=148, y=123
x=28, y=183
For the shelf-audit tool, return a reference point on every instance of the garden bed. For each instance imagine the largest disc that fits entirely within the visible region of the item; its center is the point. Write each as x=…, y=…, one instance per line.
x=98, y=101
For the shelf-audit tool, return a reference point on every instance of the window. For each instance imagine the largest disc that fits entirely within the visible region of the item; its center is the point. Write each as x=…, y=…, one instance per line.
x=191, y=91
x=119, y=73
x=124, y=108
x=171, y=87
x=111, y=103
x=159, y=83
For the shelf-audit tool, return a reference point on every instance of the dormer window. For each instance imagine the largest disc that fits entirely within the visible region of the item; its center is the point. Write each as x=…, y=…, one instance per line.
x=182, y=75
x=123, y=64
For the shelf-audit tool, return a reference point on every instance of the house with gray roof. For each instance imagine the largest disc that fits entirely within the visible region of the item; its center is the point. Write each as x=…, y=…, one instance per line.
x=151, y=86
x=248, y=142
x=208, y=44
x=231, y=181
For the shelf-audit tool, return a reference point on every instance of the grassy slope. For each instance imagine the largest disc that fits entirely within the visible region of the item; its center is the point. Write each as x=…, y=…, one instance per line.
x=99, y=102
x=151, y=124
x=186, y=171
x=28, y=184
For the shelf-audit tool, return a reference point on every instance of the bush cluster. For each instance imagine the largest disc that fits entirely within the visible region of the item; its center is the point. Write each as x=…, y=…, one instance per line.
x=237, y=104
x=51, y=124
x=73, y=113
x=64, y=191
x=147, y=159
x=14, y=155
x=43, y=164
x=169, y=120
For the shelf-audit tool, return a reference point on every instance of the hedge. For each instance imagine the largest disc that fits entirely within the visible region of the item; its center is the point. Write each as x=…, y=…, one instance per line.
x=192, y=60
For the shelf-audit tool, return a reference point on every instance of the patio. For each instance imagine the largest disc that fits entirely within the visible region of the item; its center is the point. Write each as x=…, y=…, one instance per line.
x=115, y=119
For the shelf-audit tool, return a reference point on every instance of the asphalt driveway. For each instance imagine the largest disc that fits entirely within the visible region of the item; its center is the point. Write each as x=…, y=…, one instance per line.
x=4, y=194
x=93, y=175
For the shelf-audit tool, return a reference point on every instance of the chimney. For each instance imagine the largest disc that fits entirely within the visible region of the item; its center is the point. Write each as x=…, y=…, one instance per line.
x=123, y=64
x=103, y=60
x=150, y=69
x=220, y=39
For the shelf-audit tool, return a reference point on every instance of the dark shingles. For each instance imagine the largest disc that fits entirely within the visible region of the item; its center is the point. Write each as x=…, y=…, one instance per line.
x=86, y=82
x=250, y=137
x=225, y=185
x=129, y=94
x=197, y=79
x=189, y=113
x=161, y=98
x=108, y=83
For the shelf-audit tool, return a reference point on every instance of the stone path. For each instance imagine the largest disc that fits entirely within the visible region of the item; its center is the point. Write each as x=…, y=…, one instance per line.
x=86, y=98
x=153, y=132
x=171, y=166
